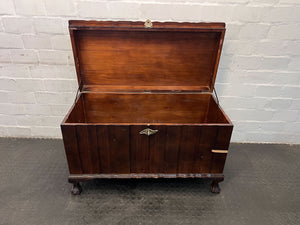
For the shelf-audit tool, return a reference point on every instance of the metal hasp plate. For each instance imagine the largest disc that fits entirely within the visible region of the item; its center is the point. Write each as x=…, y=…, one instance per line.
x=148, y=131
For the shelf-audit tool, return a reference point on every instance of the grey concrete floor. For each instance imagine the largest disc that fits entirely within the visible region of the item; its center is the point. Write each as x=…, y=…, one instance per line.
x=262, y=186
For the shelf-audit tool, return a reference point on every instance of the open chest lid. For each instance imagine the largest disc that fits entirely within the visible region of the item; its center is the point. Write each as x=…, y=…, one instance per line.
x=138, y=56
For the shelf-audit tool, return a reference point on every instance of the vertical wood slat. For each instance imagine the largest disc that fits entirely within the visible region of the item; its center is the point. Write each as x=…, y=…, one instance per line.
x=218, y=162
x=222, y=143
x=172, y=139
x=223, y=138
x=103, y=148
x=85, y=148
x=203, y=154
x=71, y=149
x=95, y=159
x=87, y=143
x=156, y=149
x=119, y=149
x=139, y=150
x=114, y=149
x=188, y=145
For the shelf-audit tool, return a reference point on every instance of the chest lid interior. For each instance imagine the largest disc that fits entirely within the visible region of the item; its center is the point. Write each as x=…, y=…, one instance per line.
x=127, y=56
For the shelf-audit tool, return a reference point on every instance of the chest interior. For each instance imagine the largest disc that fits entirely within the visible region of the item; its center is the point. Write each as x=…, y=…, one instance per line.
x=135, y=75
x=135, y=108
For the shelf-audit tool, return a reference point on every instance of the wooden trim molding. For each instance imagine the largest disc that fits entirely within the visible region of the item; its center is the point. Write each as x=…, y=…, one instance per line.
x=86, y=177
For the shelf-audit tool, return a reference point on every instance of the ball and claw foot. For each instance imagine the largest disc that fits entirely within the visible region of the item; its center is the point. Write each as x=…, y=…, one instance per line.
x=214, y=187
x=76, y=189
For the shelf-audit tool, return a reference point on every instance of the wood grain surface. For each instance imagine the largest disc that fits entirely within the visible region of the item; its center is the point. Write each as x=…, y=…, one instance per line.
x=132, y=78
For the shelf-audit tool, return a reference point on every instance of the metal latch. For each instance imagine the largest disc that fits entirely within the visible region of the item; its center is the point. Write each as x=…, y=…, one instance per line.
x=148, y=131
x=148, y=24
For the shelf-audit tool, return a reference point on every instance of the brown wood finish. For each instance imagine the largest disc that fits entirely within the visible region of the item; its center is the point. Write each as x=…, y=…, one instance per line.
x=121, y=64
x=129, y=25
x=147, y=108
x=71, y=148
x=126, y=54
x=121, y=149
x=139, y=150
x=132, y=78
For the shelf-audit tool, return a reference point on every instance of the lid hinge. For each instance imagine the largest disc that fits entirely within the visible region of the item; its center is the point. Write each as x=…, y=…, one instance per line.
x=211, y=81
x=214, y=90
x=77, y=94
x=79, y=89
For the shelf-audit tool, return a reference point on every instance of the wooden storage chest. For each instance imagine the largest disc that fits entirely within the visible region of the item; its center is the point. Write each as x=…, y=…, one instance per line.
x=145, y=106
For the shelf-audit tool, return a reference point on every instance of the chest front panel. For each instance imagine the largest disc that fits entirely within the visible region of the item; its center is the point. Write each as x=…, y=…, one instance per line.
x=123, y=150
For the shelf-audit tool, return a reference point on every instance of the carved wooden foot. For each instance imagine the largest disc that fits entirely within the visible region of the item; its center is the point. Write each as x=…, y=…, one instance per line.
x=76, y=189
x=214, y=187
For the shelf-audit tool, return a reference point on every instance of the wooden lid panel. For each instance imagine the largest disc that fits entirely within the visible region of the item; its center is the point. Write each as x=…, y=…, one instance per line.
x=146, y=57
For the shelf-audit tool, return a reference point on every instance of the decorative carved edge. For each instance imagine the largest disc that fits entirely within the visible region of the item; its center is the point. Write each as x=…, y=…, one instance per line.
x=86, y=177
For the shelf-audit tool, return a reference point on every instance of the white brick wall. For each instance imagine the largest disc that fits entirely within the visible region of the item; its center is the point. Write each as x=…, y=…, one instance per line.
x=258, y=81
